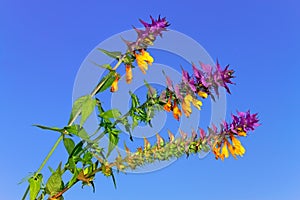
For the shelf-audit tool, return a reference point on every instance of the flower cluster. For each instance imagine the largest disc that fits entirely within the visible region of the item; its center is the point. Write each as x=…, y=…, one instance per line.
x=240, y=125
x=222, y=142
x=147, y=36
x=201, y=83
x=137, y=50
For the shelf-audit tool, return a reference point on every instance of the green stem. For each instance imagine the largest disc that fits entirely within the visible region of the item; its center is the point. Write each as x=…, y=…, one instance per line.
x=93, y=93
x=44, y=162
x=49, y=154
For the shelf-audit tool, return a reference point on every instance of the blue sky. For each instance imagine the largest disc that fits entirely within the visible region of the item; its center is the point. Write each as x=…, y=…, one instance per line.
x=42, y=46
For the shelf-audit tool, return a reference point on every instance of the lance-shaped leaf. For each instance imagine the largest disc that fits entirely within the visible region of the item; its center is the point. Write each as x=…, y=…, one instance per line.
x=35, y=186
x=104, y=66
x=87, y=109
x=83, y=134
x=84, y=105
x=134, y=100
x=69, y=145
x=113, y=54
x=49, y=128
x=113, y=140
x=113, y=113
x=107, y=81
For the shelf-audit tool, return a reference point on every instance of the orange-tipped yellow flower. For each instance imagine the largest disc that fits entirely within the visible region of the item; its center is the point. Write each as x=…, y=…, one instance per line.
x=216, y=151
x=202, y=94
x=176, y=112
x=114, y=86
x=128, y=74
x=224, y=151
x=143, y=59
x=168, y=106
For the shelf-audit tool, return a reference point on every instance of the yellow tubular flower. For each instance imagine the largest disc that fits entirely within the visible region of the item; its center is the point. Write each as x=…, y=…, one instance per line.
x=224, y=151
x=128, y=74
x=231, y=150
x=238, y=147
x=202, y=94
x=114, y=86
x=186, y=105
x=197, y=103
x=149, y=59
x=176, y=112
x=143, y=60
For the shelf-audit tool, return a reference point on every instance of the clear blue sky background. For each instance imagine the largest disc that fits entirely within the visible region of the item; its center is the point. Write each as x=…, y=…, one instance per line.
x=42, y=45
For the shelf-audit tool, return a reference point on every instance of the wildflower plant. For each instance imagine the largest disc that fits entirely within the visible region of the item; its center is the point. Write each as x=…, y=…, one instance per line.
x=87, y=158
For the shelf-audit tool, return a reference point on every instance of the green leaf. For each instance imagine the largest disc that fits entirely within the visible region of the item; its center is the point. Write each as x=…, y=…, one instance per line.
x=83, y=134
x=77, y=150
x=135, y=121
x=25, y=179
x=113, y=54
x=113, y=113
x=113, y=140
x=107, y=81
x=35, y=186
x=134, y=100
x=104, y=66
x=58, y=169
x=51, y=170
x=127, y=126
x=69, y=145
x=54, y=183
x=85, y=106
x=72, y=129
x=87, y=157
x=87, y=109
x=72, y=164
x=78, y=105
x=49, y=128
